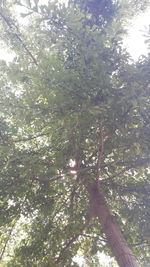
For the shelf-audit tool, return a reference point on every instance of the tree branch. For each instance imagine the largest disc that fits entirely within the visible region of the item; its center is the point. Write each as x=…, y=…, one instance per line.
x=126, y=189
x=8, y=238
x=100, y=151
x=71, y=241
x=19, y=38
x=116, y=174
x=142, y=243
x=14, y=224
x=30, y=138
x=73, y=193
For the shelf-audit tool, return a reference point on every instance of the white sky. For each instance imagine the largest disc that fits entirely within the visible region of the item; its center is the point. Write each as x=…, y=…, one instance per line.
x=103, y=259
x=134, y=41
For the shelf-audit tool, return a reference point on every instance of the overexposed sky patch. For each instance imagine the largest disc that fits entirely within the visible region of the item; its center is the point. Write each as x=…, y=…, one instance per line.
x=134, y=42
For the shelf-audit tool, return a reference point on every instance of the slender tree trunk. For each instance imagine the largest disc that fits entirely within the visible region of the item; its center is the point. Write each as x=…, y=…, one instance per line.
x=116, y=240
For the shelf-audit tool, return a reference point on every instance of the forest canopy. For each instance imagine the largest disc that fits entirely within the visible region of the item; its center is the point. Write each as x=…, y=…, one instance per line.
x=74, y=135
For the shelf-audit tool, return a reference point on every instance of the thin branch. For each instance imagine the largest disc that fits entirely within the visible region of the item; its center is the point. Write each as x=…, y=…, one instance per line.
x=126, y=189
x=53, y=179
x=71, y=241
x=142, y=243
x=127, y=203
x=15, y=106
x=29, y=8
x=14, y=224
x=43, y=181
x=100, y=151
x=124, y=115
x=73, y=193
x=8, y=238
x=30, y=138
x=93, y=237
x=138, y=163
x=63, y=203
x=116, y=174
x=19, y=38
x=36, y=107
x=130, y=163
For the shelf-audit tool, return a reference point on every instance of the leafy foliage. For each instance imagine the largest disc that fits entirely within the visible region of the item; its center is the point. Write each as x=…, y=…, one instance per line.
x=69, y=81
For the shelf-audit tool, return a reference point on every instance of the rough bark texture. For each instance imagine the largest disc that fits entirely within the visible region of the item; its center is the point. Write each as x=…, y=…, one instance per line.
x=116, y=240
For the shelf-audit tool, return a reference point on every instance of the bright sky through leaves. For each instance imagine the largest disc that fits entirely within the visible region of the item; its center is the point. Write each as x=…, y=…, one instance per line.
x=134, y=42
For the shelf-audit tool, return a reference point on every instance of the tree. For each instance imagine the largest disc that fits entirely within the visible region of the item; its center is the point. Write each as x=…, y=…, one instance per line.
x=74, y=137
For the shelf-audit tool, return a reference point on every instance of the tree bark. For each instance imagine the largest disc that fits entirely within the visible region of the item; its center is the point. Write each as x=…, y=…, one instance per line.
x=115, y=238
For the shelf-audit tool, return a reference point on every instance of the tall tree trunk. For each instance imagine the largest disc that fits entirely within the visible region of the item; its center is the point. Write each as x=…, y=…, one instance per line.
x=115, y=238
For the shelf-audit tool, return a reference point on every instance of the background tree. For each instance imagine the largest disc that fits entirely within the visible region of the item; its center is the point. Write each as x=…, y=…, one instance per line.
x=74, y=136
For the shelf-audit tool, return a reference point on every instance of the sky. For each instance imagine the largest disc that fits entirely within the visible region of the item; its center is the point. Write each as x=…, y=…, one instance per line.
x=133, y=42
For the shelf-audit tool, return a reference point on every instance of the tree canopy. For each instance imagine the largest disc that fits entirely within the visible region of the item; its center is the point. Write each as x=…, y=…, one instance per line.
x=74, y=135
